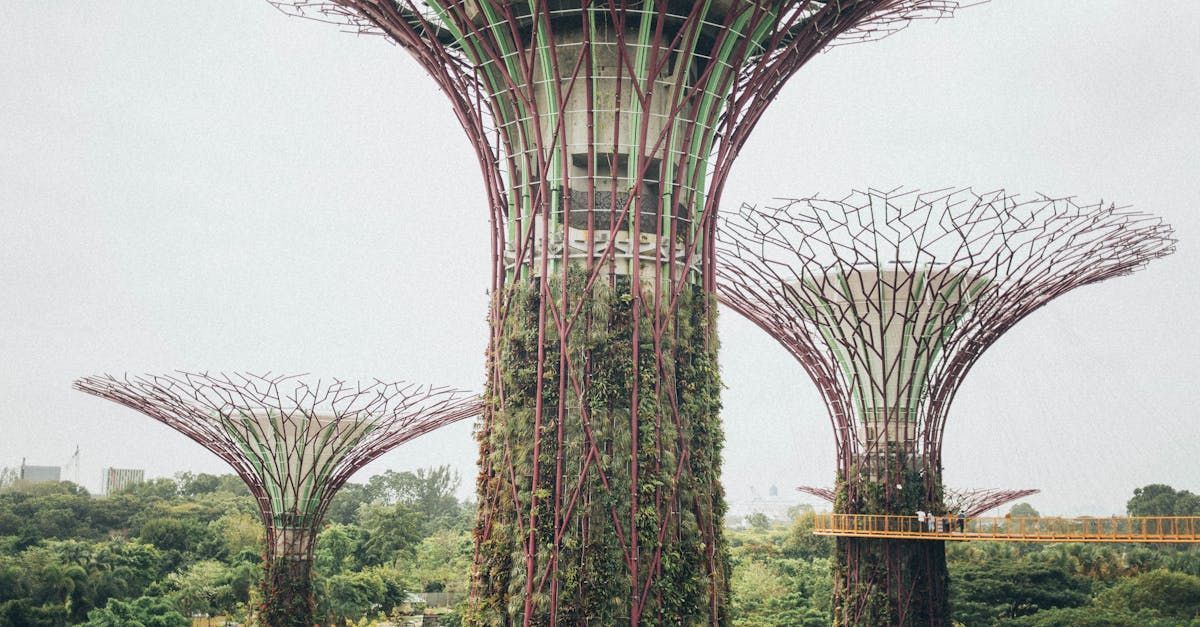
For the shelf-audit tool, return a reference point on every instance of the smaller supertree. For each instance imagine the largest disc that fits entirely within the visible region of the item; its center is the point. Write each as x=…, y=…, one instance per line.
x=969, y=503
x=294, y=444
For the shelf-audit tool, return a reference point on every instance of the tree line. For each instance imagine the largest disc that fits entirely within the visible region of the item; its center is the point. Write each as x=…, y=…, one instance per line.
x=781, y=576
x=168, y=550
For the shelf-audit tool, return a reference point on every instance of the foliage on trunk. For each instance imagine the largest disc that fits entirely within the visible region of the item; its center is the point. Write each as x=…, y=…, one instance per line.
x=679, y=439
x=887, y=581
x=287, y=593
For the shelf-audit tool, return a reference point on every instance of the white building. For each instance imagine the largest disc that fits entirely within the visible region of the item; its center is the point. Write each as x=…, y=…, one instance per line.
x=118, y=479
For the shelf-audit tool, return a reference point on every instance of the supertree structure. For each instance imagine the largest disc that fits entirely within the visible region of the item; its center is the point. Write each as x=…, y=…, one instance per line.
x=969, y=503
x=605, y=131
x=294, y=443
x=887, y=299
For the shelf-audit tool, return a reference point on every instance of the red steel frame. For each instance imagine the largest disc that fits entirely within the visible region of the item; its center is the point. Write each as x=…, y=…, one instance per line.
x=490, y=58
x=787, y=268
x=969, y=503
x=1025, y=252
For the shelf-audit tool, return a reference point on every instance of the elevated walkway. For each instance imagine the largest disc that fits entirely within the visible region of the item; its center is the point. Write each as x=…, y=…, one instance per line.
x=1161, y=529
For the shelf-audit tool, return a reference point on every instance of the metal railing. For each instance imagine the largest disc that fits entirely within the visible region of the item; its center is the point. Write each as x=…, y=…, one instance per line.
x=1166, y=529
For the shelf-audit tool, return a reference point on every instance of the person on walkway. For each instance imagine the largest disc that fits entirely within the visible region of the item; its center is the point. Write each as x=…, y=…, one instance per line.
x=920, y=520
x=962, y=522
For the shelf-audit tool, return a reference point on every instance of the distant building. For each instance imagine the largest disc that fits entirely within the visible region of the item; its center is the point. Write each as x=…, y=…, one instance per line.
x=39, y=474
x=776, y=507
x=118, y=479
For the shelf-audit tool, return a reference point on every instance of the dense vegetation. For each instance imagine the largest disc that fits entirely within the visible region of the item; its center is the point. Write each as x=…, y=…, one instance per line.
x=562, y=479
x=782, y=576
x=171, y=549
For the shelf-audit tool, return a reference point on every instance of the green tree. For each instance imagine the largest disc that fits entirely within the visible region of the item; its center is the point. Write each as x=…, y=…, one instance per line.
x=798, y=510
x=344, y=507
x=982, y=594
x=1087, y=617
x=8, y=476
x=160, y=488
x=172, y=534
x=115, y=514
x=1168, y=594
x=195, y=484
x=336, y=545
x=28, y=614
x=758, y=521
x=237, y=532
x=1096, y=562
x=103, y=570
x=391, y=531
x=47, y=510
x=203, y=588
x=801, y=543
x=1162, y=500
x=781, y=576
x=350, y=596
x=142, y=612
x=1023, y=510
x=755, y=585
x=442, y=563
x=428, y=491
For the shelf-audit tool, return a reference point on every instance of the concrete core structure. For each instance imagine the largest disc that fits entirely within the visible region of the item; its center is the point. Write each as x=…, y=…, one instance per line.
x=887, y=327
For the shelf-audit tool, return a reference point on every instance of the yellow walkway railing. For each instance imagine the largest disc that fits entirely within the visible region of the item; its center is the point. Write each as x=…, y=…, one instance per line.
x=1168, y=529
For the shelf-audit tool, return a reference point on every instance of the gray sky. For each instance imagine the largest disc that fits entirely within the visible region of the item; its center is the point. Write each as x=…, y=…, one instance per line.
x=215, y=186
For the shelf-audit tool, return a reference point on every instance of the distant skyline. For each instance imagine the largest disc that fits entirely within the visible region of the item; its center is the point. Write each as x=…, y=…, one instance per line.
x=217, y=186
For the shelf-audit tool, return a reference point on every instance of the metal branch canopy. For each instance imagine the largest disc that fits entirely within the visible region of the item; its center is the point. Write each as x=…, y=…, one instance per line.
x=887, y=299
x=293, y=442
x=605, y=132
x=970, y=503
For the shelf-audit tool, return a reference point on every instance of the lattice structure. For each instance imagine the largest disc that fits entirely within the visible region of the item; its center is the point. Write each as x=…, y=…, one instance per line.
x=887, y=299
x=969, y=503
x=973, y=503
x=294, y=443
x=605, y=132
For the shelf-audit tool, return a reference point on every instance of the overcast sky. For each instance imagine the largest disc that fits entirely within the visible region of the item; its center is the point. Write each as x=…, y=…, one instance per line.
x=213, y=185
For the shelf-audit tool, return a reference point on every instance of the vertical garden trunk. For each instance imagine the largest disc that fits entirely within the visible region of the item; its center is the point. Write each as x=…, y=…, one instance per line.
x=610, y=445
x=891, y=582
x=287, y=594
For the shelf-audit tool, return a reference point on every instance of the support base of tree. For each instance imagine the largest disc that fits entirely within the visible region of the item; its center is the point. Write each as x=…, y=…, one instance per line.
x=287, y=593
x=890, y=582
x=561, y=439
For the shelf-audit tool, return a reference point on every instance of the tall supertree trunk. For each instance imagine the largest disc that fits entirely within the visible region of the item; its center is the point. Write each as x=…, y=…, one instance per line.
x=888, y=581
x=605, y=132
x=625, y=498
x=287, y=588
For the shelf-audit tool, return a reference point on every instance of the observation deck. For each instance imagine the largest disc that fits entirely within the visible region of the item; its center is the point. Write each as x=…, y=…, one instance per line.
x=1156, y=529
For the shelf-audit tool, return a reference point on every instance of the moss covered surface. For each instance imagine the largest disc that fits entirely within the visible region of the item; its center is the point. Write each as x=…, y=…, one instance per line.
x=287, y=593
x=887, y=581
x=585, y=493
